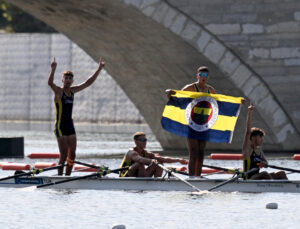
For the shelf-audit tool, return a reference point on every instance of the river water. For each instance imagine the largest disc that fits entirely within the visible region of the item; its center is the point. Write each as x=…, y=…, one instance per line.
x=43, y=208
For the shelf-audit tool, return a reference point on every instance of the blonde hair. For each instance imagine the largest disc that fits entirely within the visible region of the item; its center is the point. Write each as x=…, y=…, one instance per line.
x=68, y=73
x=138, y=134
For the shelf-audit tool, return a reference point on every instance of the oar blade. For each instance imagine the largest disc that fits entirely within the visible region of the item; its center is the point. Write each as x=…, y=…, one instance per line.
x=28, y=189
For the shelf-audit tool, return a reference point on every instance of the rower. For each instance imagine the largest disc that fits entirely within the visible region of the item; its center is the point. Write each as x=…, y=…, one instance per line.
x=253, y=156
x=64, y=127
x=143, y=163
x=196, y=147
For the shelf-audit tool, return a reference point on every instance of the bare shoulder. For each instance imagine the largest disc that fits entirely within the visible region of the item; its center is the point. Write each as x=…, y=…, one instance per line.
x=188, y=87
x=58, y=92
x=55, y=88
x=130, y=153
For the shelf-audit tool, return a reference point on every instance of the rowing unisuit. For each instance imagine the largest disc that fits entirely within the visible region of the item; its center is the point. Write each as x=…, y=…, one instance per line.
x=125, y=163
x=252, y=162
x=64, y=122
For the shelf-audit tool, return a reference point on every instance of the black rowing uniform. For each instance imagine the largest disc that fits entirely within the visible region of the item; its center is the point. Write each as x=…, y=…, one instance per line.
x=252, y=162
x=198, y=90
x=124, y=163
x=64, y=123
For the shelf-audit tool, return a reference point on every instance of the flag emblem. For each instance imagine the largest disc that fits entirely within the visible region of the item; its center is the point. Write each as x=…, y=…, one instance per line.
x=202, y=116
x=202, y=113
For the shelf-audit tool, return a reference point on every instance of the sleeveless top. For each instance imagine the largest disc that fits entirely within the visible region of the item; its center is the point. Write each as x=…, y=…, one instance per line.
x=197, y=88
x=125, y=163
x=251, y=162
x=64, y=122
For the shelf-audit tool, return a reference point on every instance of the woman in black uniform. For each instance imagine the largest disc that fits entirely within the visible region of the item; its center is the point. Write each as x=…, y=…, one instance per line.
x=64, y=127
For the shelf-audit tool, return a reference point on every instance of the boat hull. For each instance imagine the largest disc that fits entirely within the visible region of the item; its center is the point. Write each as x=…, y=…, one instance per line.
x=155, y=184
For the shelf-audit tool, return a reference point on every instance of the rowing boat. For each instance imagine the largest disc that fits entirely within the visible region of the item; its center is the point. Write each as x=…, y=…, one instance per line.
x=155, y=184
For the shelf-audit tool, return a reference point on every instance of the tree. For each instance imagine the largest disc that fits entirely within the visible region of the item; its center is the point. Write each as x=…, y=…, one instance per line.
x=12, y=19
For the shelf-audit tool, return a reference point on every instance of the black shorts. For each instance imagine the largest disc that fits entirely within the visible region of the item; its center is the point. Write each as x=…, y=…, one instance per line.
x=65, y=128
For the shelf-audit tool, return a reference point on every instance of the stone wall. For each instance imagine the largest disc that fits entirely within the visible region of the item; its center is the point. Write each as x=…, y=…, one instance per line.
x=24, y=92
x=265, y=34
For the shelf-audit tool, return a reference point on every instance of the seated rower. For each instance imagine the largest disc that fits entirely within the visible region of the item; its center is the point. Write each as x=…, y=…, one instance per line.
x=137, y=158
x=253, y=156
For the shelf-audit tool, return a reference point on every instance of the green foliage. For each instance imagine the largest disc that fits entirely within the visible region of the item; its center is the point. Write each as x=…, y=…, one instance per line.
x=13, y=19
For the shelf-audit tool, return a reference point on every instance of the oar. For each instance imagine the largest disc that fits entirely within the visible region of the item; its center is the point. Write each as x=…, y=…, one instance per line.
x=283, y=168
x=103, y=168
x=220, y=168
x=178, y=177
x=82, y=177
x=34, y=171
x=234, y=178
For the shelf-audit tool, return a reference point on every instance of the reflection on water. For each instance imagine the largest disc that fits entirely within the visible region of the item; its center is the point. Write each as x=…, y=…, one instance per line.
x=46, y=208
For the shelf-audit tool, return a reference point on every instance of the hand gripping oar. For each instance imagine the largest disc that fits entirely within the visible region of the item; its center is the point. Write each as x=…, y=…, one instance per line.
x=32, y=172
x=101, y=172
x=283, y=168
x=178, y=177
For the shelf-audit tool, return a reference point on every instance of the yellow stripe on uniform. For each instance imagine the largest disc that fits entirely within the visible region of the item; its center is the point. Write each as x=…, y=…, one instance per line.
x=59, y=116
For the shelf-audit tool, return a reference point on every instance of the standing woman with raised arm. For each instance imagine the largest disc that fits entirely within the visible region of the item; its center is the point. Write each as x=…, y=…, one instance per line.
x=64, y=127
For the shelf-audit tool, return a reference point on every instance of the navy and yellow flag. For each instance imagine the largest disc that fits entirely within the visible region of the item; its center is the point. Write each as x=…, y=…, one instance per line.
x=202, y=116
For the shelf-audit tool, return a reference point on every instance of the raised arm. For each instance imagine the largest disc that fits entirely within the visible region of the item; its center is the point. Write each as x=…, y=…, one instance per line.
x=90, y=80
x=51, y=77
x=246, y=144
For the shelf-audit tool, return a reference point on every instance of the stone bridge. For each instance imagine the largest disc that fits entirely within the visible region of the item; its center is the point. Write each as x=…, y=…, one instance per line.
x=252, y=48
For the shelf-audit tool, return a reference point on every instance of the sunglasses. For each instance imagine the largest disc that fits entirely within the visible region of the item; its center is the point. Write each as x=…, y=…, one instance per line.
x=142, y=139
x=205, y=74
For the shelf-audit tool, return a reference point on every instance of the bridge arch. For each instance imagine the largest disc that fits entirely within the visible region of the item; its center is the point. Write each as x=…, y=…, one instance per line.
x=150, y=45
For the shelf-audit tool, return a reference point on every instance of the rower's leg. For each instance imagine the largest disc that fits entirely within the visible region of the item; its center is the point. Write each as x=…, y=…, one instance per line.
x=72, y=142
x=281, y=175
x=199, y=157
x=63, y=150
x=261, y=176
x=136, y=170
x=153, y=169
x=192, y=145
x=158, y=171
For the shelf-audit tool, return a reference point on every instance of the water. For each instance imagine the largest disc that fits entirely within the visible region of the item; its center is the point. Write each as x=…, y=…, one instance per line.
x=43, y=208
